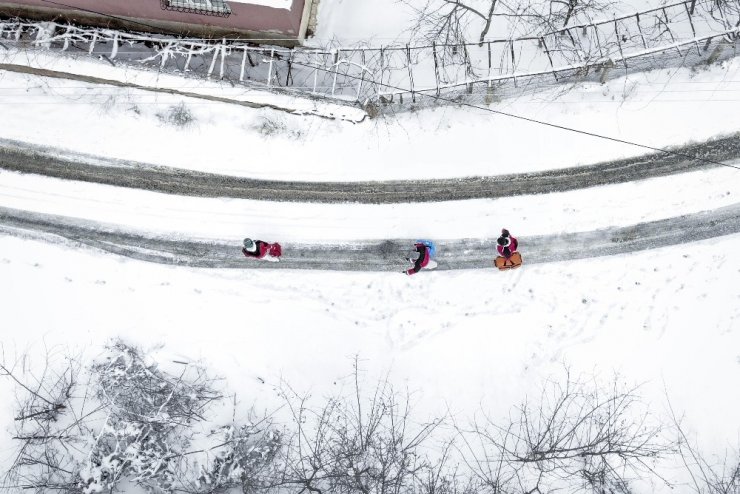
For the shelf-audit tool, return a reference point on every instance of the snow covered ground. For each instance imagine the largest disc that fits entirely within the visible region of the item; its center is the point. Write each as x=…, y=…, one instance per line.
x=232, y=219
x=384, y=22
x=668, y=318
x=463, y=341
x=660, y=108
x=276, y=4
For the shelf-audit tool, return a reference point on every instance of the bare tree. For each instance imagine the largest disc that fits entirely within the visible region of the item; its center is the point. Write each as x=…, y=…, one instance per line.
x=355, y=444
x=48, y=423
x=457, y=21
x=446, y=21
x=715, y=475
x=576, y=436
x=725, y=12
x=451, y=26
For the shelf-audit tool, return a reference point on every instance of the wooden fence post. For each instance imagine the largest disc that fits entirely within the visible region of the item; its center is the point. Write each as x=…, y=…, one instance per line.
x=513, y=61
x=114, y=50
x=290, y=68
x=335, y=65
x=436, y=66
x=213, y=62
x=598, y=40
x=411, y=73
x=639, y=28
x=382, y=63
x=315, y=73
x=223, y=58
x=362, y=74
x=92, y=43
x=691, y=21
x=269, y=70
x=619, y=43
x=489, y=64
x=552, y=66
x=244, y=64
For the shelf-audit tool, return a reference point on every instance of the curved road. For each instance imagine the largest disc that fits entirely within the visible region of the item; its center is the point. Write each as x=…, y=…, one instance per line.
x=371, y=256
x=19, y=157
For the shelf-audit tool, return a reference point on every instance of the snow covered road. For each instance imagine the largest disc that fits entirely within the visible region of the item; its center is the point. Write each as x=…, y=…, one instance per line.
x=373, y=256
x=25, y=158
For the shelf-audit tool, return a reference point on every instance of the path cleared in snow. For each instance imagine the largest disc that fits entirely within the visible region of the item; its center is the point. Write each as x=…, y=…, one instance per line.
x=372, y=256
x=21, y=157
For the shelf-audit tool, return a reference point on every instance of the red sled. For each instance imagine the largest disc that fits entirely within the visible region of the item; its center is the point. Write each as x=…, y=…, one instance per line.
x=513, y=262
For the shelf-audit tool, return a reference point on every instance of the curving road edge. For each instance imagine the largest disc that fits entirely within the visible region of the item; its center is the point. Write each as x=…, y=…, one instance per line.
x=369, y=256
x=24, y=158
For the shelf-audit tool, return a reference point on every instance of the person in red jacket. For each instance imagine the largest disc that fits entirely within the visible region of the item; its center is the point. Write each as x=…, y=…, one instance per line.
x=423, y=261
x=507, y=244
x=261, y=250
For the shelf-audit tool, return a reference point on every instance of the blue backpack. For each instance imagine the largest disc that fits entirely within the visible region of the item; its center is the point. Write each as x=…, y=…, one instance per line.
x=430, y=245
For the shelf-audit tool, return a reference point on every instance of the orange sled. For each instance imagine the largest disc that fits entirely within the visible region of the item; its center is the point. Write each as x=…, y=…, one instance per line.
x=511, y=263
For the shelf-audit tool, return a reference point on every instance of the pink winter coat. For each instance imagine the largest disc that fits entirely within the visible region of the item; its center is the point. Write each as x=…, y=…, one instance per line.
x=422, y=261
x=509, y=249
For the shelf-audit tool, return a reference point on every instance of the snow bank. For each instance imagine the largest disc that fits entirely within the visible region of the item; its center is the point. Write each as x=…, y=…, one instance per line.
x=233, y=219
x=661, y=108
x=668, y=317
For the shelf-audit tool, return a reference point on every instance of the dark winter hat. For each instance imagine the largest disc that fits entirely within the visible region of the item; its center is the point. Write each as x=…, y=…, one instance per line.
x=504, y=241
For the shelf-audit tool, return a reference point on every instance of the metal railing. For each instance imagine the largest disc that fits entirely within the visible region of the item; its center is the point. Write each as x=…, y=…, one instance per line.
x=690, y=32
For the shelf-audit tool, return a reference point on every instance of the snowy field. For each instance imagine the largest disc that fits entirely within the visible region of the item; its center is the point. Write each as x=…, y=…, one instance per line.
x=465, y=343
x=470, y=340
x=659, y=109
x=232, y=219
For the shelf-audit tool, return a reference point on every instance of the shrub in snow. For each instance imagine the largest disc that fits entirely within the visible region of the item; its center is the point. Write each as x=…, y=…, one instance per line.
x=359, y=444
x=177, y=115
x=244, y=456
x=136, y=421
x=49, y=424
x=272, y=127
x=576, y=437
x=148, y=427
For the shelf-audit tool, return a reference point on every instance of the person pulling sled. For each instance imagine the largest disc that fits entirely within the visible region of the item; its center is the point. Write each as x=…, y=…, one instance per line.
x=426, y=250
x=259, y=249
x=508, y=257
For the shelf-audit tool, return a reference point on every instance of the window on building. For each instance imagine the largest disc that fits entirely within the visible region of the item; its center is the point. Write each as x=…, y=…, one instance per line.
x=205, y=7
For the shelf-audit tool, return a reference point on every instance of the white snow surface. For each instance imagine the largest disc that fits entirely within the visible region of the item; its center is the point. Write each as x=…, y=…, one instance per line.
x=476, y=340
x=463, y=341
x=275, y=4
x=233, y=219
x=83, y=65
x=660, y=108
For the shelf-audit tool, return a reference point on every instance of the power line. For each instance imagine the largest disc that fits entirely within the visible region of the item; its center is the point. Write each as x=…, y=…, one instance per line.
x=527, y=119
x=469, y=105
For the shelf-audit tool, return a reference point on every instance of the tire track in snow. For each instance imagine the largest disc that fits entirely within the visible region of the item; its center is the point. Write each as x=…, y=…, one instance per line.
x=370, y=256
x=20, y=157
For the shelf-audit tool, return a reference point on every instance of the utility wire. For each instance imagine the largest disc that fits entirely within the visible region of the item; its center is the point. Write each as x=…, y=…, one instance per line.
x=469, y=105
x=527, y=119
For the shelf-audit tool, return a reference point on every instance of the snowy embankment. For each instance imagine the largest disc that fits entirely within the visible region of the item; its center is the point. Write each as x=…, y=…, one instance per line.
x=468, y=343
x=232, y=219
x=661, y=108
x=475, y=341
x=79, y=68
